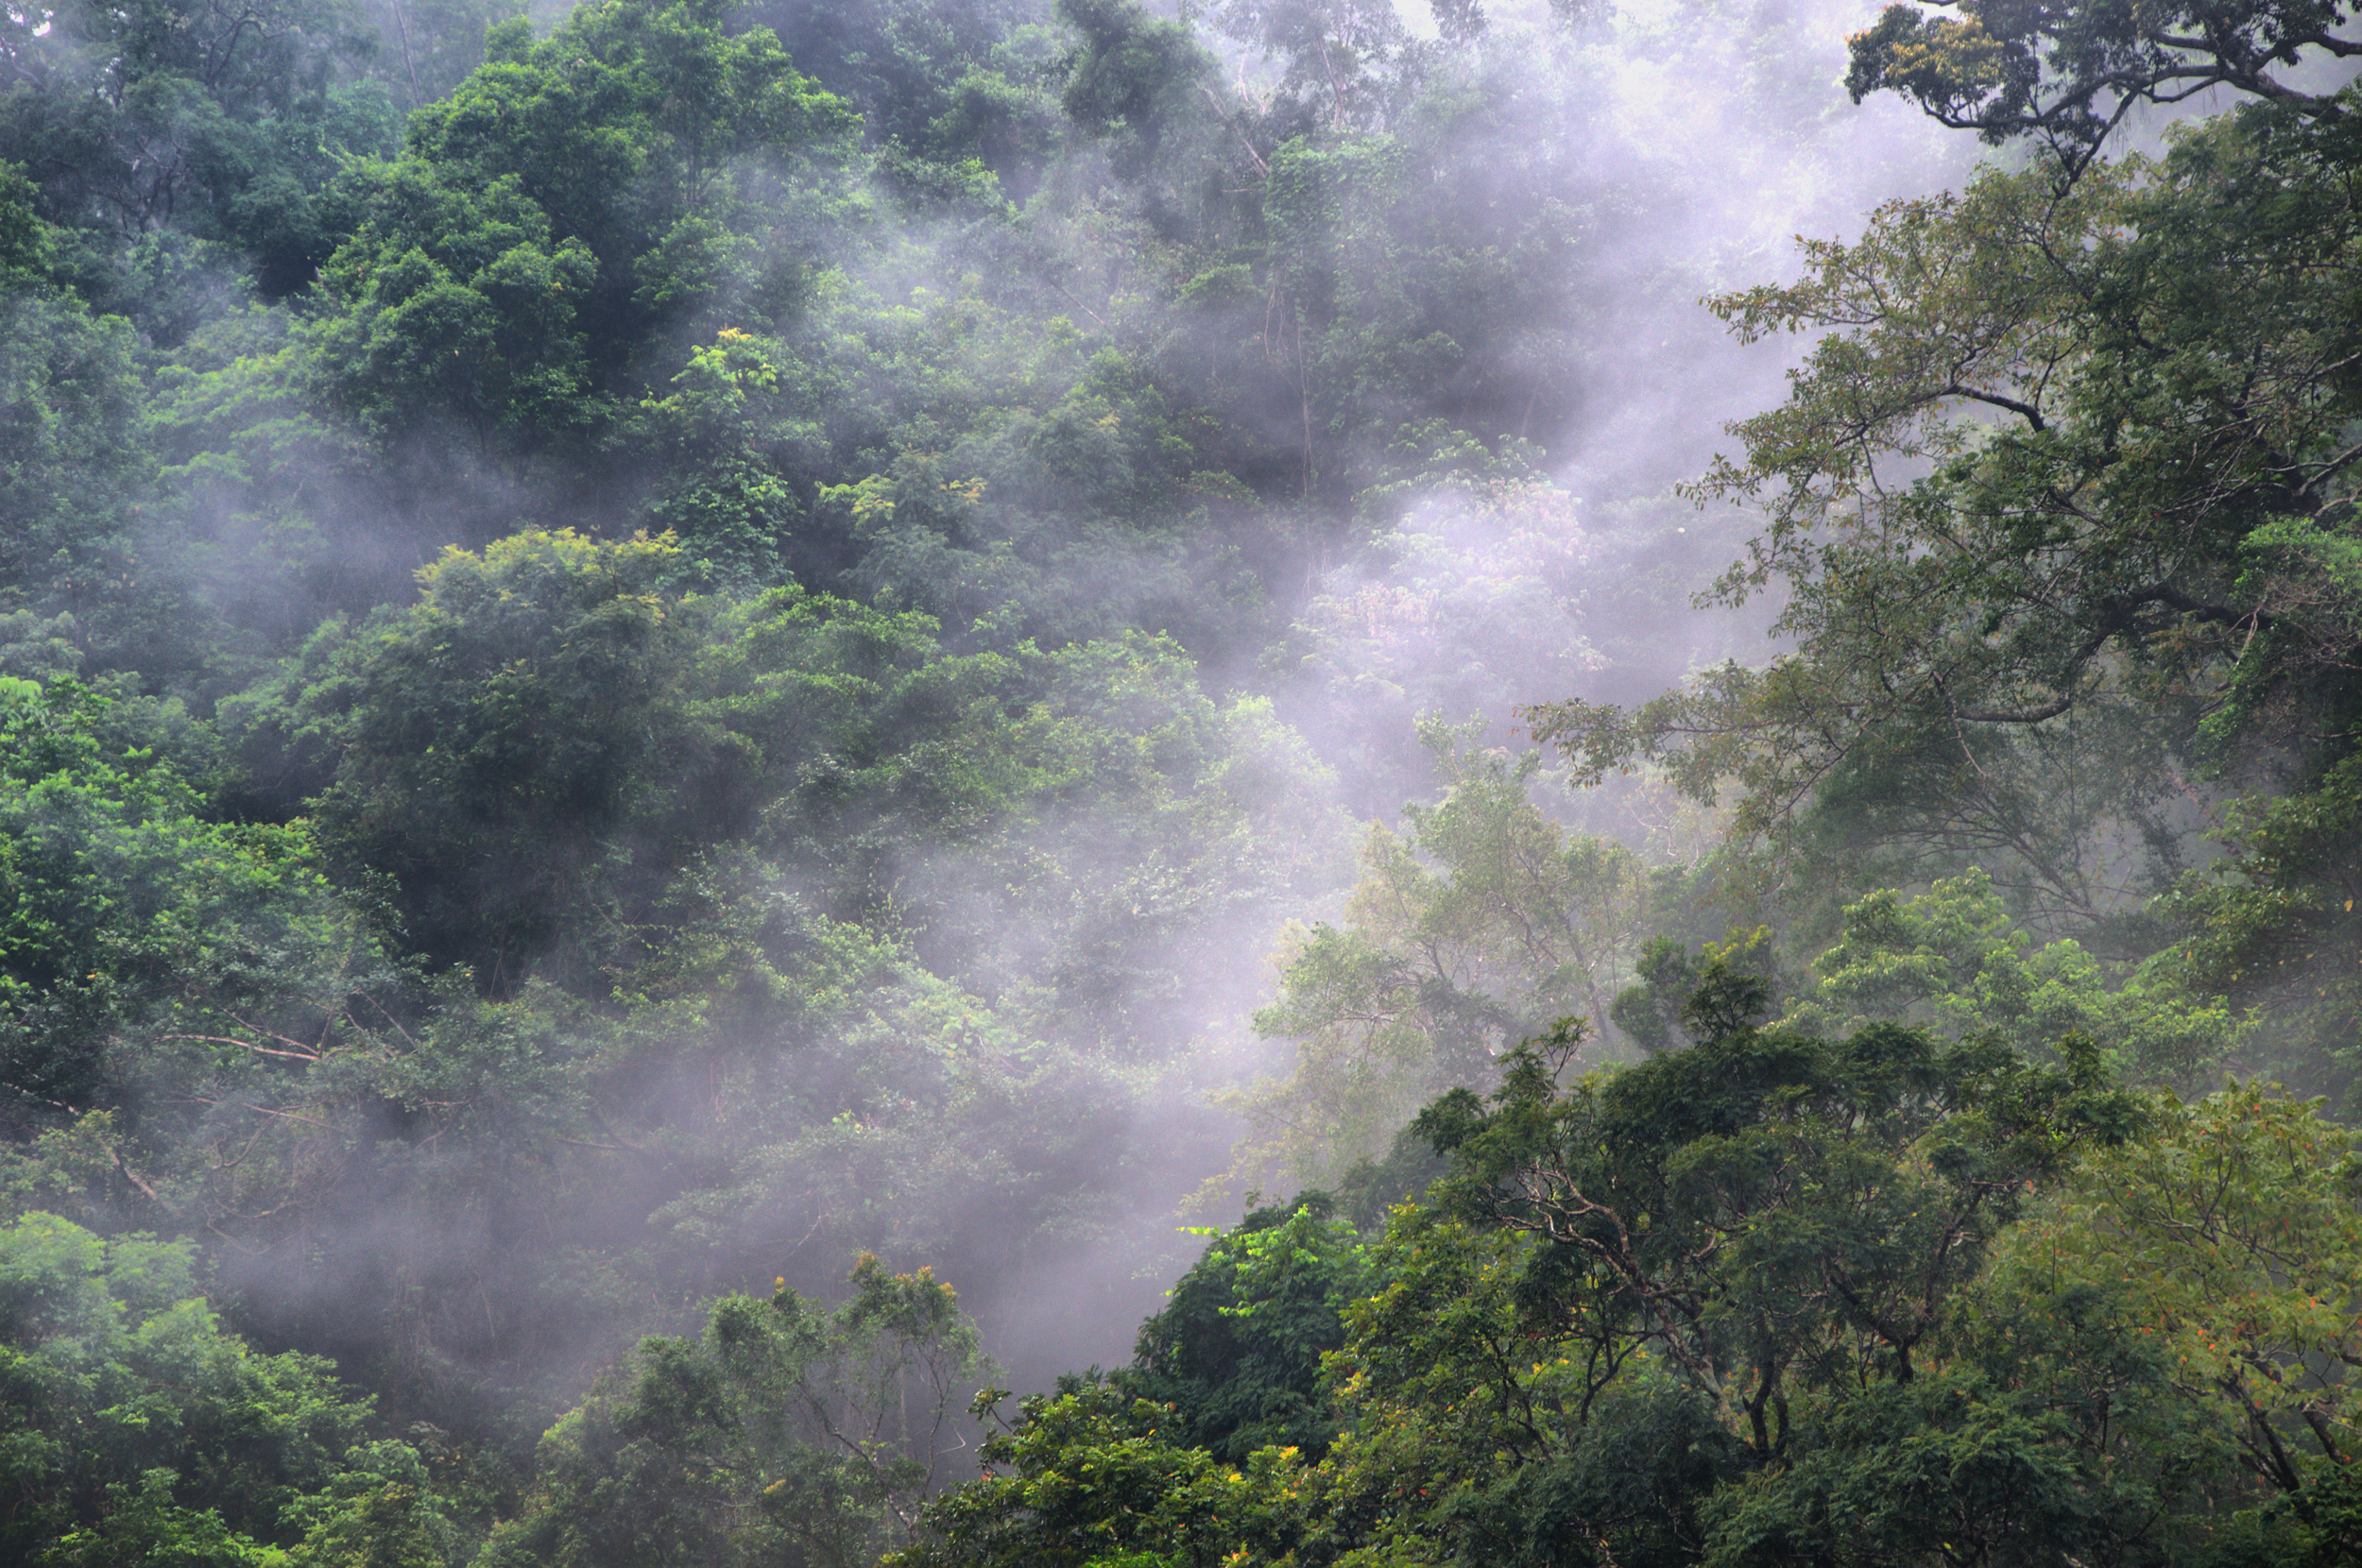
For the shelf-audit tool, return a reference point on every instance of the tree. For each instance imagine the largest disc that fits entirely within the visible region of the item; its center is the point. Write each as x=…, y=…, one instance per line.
x=2233, y=1234
x=73, y=472
x=1648, y=1299
x=2068, y=74
x=908, y=66
x=140, y=939
x=1086, y=1477
x=2172, y=1314
x=1132, y=80
x=135, y=1428
x=2038, y=1435
x=489, y=748
x=792, y=931
x=1343, y=63
x=786, y=1431
x=507, y=271
x=2268, y=927
x=1479, y=1427
x=1236, y=1356
x=426, y=48
x=1948, y=959
x=1476, y=931
x=220, y=120
x=2025, y=498
x=382, y=1512
x=1764, y=1212
x=464, y=310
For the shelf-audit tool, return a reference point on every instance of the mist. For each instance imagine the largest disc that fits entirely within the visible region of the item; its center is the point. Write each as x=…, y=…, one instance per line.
x=1327, y=595
x=799, y=653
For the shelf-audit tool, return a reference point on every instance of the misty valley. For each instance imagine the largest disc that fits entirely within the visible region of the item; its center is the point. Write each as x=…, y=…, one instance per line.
x=1081, y=784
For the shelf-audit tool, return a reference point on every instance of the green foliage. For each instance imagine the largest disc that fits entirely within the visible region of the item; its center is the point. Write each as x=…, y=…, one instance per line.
x=464, y=310
x=425, y=50
x=1950, y=959
x=2271, y=924
x=1088, y=1477
x=1341, y=65
x=1711, y=1307
x=2230, y=1236
x=965, y=1081
x=1389, y=257
x=785, y=1430
x=936, y=79
x=223, y=121
x=1235, y=1356
x=555, y=211
x=1481, y=1431
x=1763, y=1213
x=1727, y=985
x=125, y=909
x=2106, y=592
x=490, y=747
x=136, y=1429
x=1486, y=923
x=70, y=472
x=259, y=486
x=553, y=733
x=2069, y=75
x=24, y=241
x=2164, y=1319
x=1764, y=1299
x=1132, y=82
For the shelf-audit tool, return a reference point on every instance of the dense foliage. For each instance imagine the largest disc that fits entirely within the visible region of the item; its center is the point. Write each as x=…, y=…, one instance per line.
x=655, y=650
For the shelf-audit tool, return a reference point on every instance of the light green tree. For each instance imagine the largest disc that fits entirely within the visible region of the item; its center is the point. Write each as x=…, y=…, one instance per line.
x=2232, y=1238
x=1475, y=931
x=136, y=1429
x=1950, y=959
x=785, y=1428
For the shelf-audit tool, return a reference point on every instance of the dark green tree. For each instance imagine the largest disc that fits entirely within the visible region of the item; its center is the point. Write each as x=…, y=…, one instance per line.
x=563, y=207
x=1753, y=1211
x=226, y=123
x=2069, y=74
x=137, y=930
x=495, y=749
x=1235, y=1355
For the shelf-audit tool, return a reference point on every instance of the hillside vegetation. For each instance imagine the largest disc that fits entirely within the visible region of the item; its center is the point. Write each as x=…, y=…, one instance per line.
x=673, y=676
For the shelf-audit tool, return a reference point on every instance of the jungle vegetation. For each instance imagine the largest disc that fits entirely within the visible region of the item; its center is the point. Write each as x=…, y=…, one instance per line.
x=720, y=723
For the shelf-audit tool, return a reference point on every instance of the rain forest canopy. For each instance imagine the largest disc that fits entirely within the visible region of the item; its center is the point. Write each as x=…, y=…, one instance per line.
x=963, y=783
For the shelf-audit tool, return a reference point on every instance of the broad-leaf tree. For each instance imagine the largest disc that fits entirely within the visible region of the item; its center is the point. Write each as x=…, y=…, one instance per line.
x=2068, y=74
x=2051, y=500
x=786, y=1430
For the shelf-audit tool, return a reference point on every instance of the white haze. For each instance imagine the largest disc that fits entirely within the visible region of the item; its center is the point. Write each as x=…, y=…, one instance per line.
x=1726, y=133
x=1750, y=126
